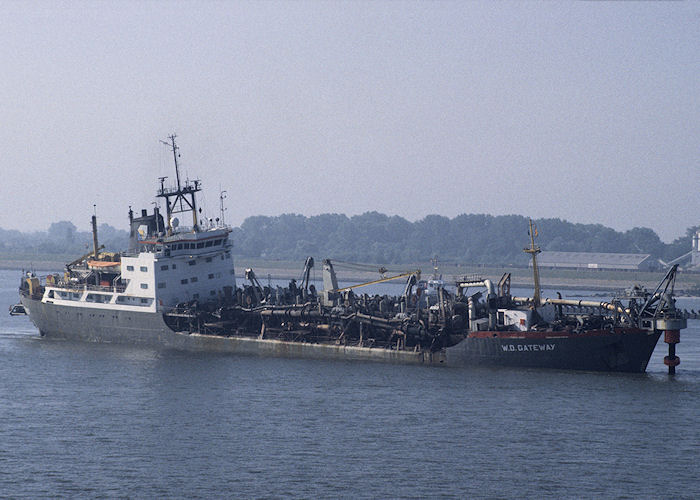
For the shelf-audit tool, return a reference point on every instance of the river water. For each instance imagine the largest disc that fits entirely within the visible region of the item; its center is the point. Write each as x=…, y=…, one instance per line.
x=91, y=420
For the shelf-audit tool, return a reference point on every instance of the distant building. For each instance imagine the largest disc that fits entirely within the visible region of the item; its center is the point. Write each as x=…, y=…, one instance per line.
x=695, y=251
x=586, y=260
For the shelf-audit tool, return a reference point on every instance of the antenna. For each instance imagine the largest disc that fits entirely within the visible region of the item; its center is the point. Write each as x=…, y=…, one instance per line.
x=222, y=197
x=174, y=147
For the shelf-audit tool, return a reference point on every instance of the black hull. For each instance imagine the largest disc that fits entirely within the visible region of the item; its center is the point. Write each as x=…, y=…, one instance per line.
x=625, y=350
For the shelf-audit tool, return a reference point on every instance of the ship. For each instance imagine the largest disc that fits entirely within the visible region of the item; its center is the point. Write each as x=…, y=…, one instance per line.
x=175, y=288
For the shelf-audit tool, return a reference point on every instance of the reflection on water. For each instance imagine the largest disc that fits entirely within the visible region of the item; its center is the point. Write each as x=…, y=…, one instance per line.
x=81, y=419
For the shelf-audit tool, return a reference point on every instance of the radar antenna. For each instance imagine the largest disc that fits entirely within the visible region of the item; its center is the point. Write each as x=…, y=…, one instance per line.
x=181, y=202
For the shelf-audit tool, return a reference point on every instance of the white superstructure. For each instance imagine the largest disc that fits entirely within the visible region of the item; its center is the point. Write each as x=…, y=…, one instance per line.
x=164, y=266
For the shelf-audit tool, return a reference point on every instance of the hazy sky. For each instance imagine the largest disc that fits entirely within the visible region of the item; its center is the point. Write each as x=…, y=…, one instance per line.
x=586, y=111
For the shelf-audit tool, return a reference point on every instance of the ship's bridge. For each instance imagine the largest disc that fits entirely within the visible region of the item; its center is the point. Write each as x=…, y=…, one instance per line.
x=182, y=267
x=187, y=243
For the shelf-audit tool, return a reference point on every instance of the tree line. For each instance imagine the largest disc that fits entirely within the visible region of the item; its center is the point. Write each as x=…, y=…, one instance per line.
x=468, y=238
x=377, y=238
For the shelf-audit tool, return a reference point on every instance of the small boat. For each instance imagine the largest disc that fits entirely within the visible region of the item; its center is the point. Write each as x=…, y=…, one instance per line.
x=17, y=310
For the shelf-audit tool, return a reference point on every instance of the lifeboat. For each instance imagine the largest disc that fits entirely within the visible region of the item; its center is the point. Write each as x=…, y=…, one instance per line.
x=104, y=266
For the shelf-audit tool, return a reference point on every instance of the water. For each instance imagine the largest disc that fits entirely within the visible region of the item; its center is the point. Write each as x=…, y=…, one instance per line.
x=92, y=420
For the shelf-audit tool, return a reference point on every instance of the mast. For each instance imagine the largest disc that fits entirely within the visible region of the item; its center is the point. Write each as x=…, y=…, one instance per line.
x=533, y=250
x=175, y=155
x=94, y=231
x=183, y=196
x=222, y=197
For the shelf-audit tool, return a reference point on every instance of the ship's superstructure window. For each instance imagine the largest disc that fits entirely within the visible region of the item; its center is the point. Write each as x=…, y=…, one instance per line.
x=164, y=268
x=195, y=295
x=211, y=276
x=184, y=282
x=208, y=244
x=98, y=297
x=144, y=285
x=66, y=295
x=161, y=285
x=174, y=266
x=200, y=244
x=133, y=301
x=192, y=262
x=217, y=242
x=129, y=268
x=144, y=269
x=208, y=259
x=193, y=279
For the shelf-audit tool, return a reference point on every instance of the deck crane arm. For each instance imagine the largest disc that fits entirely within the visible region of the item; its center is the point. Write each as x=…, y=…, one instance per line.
x=250, y=276
x=410, y=283
x=415, y=273
x=82, y=258
x=308, y=265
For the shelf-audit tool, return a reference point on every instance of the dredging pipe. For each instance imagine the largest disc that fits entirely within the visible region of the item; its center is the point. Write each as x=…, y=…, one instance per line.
x=577, y=303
